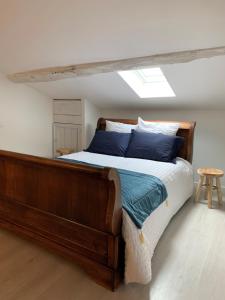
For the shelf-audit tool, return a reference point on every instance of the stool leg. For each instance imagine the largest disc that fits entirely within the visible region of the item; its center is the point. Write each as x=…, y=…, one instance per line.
x=198, y=189
x=206, y=188
x=219, y=192
x=210, y=192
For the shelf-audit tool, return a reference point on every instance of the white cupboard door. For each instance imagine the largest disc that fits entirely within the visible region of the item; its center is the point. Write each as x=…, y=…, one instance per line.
x=67, y=107
x=67, y=136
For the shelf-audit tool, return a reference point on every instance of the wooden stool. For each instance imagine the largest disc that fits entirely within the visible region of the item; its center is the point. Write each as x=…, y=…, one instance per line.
x=207, y=176
x=64, y=151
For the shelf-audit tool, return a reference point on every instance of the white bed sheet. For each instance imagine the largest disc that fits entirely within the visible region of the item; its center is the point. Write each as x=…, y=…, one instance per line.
x=178, y=179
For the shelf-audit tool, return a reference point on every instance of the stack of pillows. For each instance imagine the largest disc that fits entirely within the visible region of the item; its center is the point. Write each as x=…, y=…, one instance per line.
x=146, y=140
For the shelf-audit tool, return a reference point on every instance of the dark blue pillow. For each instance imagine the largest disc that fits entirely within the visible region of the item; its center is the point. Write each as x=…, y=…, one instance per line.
x=110, y=143
x=154, y=146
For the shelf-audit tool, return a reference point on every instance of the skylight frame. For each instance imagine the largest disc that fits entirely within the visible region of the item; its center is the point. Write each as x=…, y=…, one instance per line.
x=152, y=86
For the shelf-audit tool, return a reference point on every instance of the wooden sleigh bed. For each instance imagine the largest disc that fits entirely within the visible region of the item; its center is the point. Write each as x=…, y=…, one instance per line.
x=73, y=210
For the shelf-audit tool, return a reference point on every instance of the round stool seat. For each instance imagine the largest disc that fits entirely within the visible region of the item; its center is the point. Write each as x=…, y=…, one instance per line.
x=64, y=151
x=210, y=172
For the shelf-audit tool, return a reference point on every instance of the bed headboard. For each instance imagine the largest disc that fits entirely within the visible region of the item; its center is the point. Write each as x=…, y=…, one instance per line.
x=186, y=130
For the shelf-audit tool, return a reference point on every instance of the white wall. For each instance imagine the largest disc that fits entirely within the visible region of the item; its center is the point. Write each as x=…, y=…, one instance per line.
x=209, y=142
x=25, y=119
x=91, y=115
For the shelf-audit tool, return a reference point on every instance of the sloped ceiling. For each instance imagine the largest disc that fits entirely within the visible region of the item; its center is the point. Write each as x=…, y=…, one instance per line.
x=45, y=33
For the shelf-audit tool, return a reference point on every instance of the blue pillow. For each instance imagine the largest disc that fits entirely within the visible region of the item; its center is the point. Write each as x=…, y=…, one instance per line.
x=154, y=146
x=110, y=143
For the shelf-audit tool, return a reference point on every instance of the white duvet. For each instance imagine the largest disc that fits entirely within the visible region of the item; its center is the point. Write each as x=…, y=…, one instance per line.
x=140, y=245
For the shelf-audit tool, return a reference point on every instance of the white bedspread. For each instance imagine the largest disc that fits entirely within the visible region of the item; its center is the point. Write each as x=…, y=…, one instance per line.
x=178, y=179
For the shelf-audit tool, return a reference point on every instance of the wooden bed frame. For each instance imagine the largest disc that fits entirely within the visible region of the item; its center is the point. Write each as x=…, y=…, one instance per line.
x=74, y=210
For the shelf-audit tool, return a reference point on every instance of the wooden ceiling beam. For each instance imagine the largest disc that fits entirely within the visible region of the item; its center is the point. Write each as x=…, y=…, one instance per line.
x=86, y=69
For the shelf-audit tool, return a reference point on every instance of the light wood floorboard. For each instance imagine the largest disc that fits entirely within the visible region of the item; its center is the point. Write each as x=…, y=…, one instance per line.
x=189, y=264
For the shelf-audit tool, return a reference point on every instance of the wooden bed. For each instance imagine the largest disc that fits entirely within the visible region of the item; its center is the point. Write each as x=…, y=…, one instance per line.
x=73, y=210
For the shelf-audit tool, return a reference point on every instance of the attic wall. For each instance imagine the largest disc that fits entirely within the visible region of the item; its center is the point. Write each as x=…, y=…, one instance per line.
x=91, y=115
x=209, y=143
x=25, y=119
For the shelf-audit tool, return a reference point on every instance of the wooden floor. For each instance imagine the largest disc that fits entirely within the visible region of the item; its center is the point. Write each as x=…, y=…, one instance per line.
x=189, y=263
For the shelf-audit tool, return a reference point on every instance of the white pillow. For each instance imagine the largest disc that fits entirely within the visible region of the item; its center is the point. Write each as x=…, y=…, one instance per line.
x=119, y=127
x=157, y=127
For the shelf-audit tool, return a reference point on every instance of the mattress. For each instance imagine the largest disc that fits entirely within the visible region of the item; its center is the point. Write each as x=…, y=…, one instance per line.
x=140, y=244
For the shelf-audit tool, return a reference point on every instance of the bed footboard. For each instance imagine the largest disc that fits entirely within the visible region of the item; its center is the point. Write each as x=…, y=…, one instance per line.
x=72, y=209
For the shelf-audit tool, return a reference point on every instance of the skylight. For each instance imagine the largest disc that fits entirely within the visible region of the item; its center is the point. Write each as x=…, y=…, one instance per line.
x=148, y=83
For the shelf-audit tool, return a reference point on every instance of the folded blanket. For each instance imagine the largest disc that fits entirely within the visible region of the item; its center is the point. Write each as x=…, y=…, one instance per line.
x=141, y=194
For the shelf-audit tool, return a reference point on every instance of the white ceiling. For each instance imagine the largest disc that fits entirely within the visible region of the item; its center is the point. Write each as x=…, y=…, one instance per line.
x=43, y=33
